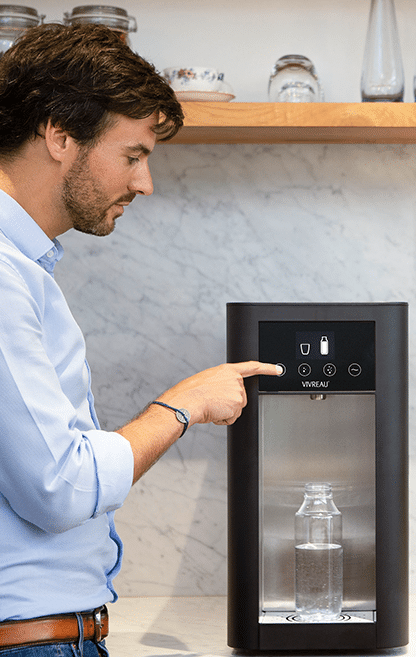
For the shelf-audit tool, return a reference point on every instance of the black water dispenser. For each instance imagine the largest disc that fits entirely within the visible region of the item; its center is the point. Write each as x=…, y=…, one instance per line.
x=318, y=478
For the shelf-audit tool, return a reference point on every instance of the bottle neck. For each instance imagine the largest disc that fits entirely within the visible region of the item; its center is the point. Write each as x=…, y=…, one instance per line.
x=318, y=490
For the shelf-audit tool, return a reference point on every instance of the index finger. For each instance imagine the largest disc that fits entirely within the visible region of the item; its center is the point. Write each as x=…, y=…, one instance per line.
x=254, y=367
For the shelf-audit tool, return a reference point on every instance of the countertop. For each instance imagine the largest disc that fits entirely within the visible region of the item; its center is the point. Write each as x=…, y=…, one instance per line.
x=190, y=626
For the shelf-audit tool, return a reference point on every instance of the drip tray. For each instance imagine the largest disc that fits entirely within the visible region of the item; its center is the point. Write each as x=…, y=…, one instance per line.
x=347, y=616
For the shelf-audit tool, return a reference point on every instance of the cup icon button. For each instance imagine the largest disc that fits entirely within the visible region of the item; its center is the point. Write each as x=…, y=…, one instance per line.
x=305, y=348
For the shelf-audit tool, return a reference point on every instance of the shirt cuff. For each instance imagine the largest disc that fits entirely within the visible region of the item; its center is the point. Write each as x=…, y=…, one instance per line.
x=114, y=464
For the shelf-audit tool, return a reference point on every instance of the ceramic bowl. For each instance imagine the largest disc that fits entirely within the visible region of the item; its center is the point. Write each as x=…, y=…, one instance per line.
x=192, y=78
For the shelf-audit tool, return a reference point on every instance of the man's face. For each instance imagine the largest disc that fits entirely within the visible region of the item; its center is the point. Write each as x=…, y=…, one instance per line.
x=105, y=178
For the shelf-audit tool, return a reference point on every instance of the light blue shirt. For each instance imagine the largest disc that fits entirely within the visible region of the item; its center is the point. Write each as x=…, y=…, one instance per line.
x=61, y=477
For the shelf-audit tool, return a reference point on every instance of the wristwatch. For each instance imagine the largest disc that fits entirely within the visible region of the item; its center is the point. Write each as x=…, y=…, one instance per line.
x=182, y=414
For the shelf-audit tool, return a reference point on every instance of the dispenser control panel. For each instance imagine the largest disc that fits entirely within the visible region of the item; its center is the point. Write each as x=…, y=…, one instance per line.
x=319, y=357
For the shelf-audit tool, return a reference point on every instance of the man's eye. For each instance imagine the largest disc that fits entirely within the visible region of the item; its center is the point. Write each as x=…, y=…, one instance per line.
x=133, y=160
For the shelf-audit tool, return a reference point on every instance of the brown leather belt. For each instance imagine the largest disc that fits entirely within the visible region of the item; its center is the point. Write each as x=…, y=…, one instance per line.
x=62, y=628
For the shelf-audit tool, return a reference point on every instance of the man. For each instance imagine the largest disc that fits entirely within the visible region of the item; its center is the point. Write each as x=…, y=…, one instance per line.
x=79, y=117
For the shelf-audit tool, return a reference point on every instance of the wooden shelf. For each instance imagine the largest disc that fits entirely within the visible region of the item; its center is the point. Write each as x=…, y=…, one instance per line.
x=277, y=123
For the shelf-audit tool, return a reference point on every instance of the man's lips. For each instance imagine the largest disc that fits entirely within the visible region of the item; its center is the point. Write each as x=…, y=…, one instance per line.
x=124, y=202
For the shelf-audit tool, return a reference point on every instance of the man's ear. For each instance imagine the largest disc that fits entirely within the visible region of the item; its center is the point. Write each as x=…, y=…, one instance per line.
x=59, y=144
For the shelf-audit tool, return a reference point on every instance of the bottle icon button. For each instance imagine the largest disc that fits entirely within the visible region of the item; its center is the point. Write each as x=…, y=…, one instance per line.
x=324, y=345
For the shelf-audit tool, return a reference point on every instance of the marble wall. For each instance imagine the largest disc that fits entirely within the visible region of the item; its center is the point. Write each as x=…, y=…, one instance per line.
x=225, y=223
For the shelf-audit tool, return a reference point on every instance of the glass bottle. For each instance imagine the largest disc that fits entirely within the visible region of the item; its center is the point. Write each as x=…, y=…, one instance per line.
x=114, y=17
x=382, y=75
x=318, y=556
x=14, y=21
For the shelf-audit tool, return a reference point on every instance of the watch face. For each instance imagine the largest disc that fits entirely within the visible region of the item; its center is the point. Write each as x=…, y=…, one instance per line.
x=180, y=413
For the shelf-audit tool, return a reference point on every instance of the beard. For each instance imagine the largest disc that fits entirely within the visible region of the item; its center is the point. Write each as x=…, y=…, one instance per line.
x=85, y=200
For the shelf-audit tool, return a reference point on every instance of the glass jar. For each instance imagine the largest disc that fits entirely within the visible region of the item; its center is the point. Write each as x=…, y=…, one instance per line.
x=113, y=17
x=294, y=80
x=14, y=21
x=318, y=556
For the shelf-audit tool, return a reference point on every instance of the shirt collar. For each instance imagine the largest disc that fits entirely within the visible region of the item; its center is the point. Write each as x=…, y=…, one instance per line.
x=19, y=227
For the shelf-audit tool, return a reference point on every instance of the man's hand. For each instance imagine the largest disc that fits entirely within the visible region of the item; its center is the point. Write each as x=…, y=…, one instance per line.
x=217, y=395
x=214, y=395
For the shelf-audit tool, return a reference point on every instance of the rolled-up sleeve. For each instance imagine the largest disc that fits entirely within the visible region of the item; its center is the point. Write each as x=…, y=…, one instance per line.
x=57, y=469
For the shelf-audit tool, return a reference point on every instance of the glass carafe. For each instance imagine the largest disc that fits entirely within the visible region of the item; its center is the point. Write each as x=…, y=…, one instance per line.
x=382, y=75
x=318, y=556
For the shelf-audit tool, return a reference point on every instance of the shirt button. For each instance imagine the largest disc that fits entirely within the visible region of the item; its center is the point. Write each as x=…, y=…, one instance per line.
x=50, y=254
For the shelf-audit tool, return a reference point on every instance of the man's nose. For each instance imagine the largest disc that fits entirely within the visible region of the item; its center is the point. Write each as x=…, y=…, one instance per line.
x=141, y=182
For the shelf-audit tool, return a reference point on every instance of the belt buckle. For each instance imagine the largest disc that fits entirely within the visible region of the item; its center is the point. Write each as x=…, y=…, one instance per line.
x=98, y=625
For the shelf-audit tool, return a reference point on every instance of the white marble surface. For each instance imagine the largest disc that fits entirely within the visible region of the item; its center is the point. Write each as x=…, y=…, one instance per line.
x=225, y=223
x=197, y=627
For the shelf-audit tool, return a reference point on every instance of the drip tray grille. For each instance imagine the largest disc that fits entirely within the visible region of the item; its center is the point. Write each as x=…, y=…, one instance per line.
x=347, y=616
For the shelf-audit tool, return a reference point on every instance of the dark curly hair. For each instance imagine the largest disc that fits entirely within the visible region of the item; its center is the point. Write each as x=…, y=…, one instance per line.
x=78, y=77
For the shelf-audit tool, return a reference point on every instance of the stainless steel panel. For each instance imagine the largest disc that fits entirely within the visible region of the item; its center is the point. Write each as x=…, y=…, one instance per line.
x=301, y=440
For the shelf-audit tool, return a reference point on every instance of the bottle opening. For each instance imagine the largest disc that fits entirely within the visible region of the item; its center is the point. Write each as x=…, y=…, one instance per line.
x=318, y=488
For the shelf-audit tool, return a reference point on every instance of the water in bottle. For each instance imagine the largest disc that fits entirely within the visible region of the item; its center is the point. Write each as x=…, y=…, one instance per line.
x=318, y=557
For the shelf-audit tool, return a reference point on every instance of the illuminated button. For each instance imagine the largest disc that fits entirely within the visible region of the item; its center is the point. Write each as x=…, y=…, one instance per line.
x=304, y=369
x=354, y=369
x=329, y=369
x=283, y=368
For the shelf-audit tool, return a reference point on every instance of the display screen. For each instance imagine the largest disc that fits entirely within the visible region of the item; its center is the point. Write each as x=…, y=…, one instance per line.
x=315, y=344
x=319, y=356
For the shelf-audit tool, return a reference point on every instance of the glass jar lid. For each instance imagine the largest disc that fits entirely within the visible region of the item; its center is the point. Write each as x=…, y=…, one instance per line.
x=17, y=16
x=114, y=17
